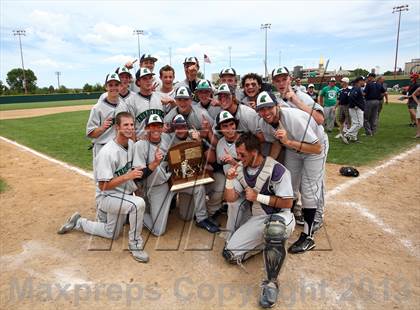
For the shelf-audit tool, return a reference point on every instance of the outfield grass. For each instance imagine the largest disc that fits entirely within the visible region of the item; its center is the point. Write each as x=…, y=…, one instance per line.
x=393, y=136
x=49, y=104
x=62, y=136
x=3, y=186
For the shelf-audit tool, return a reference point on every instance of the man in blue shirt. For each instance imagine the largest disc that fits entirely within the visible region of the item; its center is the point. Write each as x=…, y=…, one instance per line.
x=356, y=108
x=374, y=92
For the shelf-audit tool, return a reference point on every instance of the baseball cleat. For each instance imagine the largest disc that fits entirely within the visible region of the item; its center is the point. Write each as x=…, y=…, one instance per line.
x=269, y=292
x=140, y=256
x=69, y=224
x=344, y=139
x=299, y=219
x=208, y=225
x=303, y=244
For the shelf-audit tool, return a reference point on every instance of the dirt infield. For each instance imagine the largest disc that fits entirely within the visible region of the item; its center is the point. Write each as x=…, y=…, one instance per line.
x=41, y=111
x=367, y=253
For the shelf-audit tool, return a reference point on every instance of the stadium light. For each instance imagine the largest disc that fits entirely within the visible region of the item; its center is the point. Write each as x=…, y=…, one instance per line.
x=58, y=79
x=138, y=32
x=265, y=26
x=20, y=33
x=398, y=9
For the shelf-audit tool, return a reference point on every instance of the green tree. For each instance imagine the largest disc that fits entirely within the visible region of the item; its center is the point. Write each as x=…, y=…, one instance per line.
x=388, y=73
x=87, y=88
x=3, y=88
x=15, y=80
x=360, y=72
x=51, y=89
x=63, y=89
x=97, y=87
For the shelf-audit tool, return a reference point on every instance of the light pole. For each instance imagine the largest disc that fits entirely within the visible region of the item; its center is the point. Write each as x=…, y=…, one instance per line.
x=265, y=26
x=398, y=9
x=21, y=33
x=57, y=73
x=230, y=56
x=138, y=32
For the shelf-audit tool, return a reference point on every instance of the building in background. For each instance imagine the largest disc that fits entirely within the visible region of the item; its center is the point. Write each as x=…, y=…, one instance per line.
x=412, y=66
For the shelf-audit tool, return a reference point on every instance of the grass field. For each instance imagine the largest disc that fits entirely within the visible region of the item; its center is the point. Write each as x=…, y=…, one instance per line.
x=62, y=136
x=50, y=104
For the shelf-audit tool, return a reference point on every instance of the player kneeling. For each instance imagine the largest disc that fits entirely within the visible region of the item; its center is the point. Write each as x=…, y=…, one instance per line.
x=114, y=172
x=268, y=192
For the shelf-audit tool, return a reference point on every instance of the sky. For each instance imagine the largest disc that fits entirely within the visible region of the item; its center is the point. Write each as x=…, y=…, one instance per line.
x=85, y=40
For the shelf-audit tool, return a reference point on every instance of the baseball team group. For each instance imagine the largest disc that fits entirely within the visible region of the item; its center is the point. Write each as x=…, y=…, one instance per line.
x=264, y=145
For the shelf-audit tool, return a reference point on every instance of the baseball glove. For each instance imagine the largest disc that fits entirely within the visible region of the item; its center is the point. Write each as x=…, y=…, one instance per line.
x=349, y=172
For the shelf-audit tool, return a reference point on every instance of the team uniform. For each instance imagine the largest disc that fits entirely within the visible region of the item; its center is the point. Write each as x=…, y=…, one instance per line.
x=163, y=95
x=157, y=191
x=194, y=118
x=141, y=107
x=101, y=111
x=356, y=108
x=343, y=116
x=112, y=161
x=373, y=94
x=271, y=178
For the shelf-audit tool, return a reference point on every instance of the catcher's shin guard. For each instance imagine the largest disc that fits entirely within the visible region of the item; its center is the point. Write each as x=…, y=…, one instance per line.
x=274, y=249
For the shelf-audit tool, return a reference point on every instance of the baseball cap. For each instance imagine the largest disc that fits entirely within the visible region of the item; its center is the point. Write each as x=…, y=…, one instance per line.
x=123, y=69
x=311, y=85
x=204, y=85
x=112, y=77
x=191, y=60
x=179, y=120
x=230, y=71
x=224, y=116
x=372, y=75
x=345, y=80
x=332, y=79
x=265, y=99
x=279, y=71
x=183, y=92
x=143, y=72
x=225, y=89
x=359, y=78
x=153, y=118
x=148, y=56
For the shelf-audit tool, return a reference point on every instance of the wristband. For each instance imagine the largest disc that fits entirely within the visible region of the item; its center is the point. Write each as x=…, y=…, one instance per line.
x=264, y=199
x=229, y=184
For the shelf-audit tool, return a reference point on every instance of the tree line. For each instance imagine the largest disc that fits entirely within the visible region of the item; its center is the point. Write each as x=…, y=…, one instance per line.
x=15, y=86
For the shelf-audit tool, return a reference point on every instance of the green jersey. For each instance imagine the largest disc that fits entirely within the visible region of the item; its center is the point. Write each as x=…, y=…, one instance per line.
x=330, y=95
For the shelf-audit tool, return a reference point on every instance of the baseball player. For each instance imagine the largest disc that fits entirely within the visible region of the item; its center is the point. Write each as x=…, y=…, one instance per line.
x=214, y=190
x=204, y=94
x=228, y=76
x=247, y=117
x=356, y=107
x=126, y=79
x=196, y=117
x=150, y=153
x=304, y=157
x=115, y=175
x=297, y=99
x=146, y=61
x=167, y=90
x=226, y=156
x=191, y=67
x=145, y=103
x=267, y=188
x=251, y=84
x=99, y=125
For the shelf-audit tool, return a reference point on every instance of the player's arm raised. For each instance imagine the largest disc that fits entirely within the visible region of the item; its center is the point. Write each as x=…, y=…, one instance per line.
x=303, y=147
x=230, y=193
x=135, y=173
x=317, y=115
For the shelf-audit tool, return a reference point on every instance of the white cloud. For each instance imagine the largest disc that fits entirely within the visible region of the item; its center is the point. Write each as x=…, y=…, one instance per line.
x=108, y=34
x=117, y=59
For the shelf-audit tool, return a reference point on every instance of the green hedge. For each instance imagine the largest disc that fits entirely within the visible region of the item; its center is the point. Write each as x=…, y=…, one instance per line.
x=46, y=98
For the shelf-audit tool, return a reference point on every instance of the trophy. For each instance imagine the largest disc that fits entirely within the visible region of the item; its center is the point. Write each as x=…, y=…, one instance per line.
x=186, y=162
